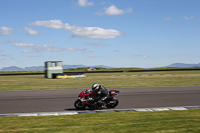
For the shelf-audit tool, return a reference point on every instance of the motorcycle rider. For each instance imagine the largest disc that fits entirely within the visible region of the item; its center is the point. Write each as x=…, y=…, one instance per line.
x=101, y=93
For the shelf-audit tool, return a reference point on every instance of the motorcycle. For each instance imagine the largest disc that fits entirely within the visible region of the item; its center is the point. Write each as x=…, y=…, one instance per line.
x=86, y=99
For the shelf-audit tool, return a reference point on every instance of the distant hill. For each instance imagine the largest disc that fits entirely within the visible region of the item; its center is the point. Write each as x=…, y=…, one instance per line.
x=74, y=66
x=12, y=68
x=41, y=68
x=182, y=65
x=83, y=66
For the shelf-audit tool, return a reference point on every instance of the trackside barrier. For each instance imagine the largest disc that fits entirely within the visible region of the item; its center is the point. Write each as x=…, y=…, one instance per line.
x=42, y=73
x=68, y=75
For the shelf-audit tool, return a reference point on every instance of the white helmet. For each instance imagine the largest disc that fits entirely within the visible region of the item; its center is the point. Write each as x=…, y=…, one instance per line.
x=95, y=87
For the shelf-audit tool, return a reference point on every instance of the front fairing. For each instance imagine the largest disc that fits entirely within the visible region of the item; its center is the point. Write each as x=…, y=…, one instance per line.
x=85, y=93
x=82, y=94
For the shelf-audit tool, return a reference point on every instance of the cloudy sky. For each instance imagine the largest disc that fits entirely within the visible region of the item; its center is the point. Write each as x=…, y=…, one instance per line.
x=116, y=33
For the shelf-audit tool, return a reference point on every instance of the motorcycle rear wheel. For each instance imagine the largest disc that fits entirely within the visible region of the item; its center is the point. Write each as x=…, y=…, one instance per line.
x=112, y=103
x=79, y=105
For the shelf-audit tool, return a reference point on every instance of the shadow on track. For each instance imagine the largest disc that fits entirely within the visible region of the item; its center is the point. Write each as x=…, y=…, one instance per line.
x=87, y=109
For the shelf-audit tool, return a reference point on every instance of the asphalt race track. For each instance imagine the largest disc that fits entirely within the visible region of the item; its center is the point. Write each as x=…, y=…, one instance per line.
x=29, y=101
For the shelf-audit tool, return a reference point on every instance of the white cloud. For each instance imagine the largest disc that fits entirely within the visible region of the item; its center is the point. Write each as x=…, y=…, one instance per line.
x=95, y=44
x=52, y=41
x=95, y=33
x=187, y=18
x=85, y=3
x=23, y=45
x=113, y=10
x=79, y=31
x=5, y=31
x=30, y=31
x=93, y=56
x=143, y=56
x=38, y=48
x=34, y=56
x=8, y=41
x=53, y=24
x=4, y=55
x=72, y=49
x=78, y=49
x=167, y=19
x=29, y=51
x=48, y=48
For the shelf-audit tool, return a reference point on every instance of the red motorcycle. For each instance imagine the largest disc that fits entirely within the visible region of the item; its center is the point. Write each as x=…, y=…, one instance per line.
x=86, y=99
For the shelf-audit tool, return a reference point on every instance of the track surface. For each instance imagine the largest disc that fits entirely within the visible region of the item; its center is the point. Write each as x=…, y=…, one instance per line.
x=62, y=100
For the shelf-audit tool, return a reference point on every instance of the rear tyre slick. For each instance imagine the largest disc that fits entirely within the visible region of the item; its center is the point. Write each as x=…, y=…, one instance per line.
x=113, y=103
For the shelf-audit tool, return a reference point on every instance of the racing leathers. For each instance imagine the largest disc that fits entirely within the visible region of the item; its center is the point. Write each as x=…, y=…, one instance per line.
x=100, y=95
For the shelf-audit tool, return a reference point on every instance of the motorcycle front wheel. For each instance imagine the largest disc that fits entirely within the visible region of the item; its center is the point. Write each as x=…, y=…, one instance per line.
x=112, y=103
x=79, y=105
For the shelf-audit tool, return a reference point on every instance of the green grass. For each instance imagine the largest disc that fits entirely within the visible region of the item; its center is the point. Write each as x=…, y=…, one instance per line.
x=126, y=122
x=111, y=80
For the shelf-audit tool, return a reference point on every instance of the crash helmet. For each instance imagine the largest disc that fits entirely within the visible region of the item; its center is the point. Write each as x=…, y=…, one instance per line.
x=95, y=87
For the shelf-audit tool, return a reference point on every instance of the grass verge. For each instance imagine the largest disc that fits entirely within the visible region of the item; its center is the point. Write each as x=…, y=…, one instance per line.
x=110, y=80
x=157, y=122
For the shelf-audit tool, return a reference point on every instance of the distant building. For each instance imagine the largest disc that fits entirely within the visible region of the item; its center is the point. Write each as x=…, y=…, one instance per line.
x=54, y=69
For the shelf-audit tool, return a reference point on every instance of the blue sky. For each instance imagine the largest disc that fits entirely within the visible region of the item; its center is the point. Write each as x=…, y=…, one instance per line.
x=116, y=33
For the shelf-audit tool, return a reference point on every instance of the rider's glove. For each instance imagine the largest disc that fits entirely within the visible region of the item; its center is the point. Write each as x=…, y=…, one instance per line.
x=90, y=99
